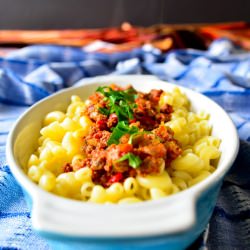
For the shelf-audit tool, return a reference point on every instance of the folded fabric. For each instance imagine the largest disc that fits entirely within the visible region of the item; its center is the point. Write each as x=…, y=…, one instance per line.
x=222, y=73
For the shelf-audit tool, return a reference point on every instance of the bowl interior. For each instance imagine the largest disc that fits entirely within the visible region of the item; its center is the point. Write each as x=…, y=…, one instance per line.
x=27, y=132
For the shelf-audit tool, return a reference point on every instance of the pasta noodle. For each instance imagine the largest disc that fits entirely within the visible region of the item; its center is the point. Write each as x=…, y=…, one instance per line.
x=60, y=145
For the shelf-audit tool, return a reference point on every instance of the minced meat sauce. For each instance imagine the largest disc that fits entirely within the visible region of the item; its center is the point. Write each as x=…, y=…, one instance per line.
x=128, y=136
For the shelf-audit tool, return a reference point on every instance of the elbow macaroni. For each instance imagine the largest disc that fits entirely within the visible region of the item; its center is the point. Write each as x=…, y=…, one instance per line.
x=60, y=143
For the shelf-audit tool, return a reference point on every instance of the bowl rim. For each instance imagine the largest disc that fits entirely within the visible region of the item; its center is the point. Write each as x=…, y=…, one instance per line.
x=192, y=193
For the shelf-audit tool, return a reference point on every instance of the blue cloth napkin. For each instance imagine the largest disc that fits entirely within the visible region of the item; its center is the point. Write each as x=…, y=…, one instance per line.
x=222, y=73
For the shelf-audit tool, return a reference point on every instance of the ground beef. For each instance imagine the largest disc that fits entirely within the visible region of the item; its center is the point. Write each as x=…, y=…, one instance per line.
x=148, y=112
x=154, y=144
x=96, y=140
x=112, y=120
x=67, y=168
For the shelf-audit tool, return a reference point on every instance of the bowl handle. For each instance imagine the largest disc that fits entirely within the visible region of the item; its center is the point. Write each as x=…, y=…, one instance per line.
x=158, y=217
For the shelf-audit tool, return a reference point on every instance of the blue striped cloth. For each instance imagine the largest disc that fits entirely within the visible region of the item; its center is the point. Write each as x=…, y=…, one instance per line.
x=222, y=73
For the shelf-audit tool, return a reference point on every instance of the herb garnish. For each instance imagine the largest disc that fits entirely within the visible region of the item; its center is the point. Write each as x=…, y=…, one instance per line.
x=121, y=129
x=104, y=111
x=133, y=160
x=120, y=102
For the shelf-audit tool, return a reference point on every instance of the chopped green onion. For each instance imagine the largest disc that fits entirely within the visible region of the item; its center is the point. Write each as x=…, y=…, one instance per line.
x=121, y=102
x=121, y=129
x=133, y=160
x=104, y=111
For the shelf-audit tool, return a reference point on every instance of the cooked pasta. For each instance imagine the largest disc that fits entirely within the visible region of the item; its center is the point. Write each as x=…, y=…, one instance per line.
x=160, y=154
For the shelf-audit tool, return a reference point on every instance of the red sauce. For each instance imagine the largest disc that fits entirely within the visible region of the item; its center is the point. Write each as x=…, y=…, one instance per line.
x=154, y=148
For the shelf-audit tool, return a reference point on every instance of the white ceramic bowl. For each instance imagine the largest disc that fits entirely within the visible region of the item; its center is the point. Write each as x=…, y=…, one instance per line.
x=173, y=221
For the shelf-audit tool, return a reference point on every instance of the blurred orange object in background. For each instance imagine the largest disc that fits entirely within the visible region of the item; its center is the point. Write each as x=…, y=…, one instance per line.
x=127, y=36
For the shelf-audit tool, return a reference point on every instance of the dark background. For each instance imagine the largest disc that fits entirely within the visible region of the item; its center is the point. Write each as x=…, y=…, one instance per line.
x=62, y=14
